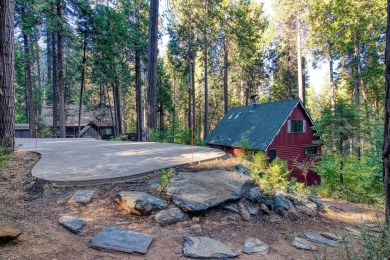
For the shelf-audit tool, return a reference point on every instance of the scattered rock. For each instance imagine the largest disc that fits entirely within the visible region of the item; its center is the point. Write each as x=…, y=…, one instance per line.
x=280, y=203
x=194, y=192
x=301, y=243
x=37, y=187
x=72, y=224
x=244, y=212
x=81, y=196
x=253, y=245
x=316, y=200
x=170, y=216
x=254, y=195
x=264, y=208
x=8, y=231
x=232, y=207
x=331, y=236
x=242, y=169
x=139, y=203
x=292, y=213
x=320, y=239
x=154, y=183
x=305, y=210
x=254, y=210
x=274, y=217
x=123, y=240
x=206, y=248
x=359, y=234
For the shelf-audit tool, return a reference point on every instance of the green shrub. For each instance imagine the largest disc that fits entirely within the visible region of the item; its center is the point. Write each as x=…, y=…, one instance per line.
x=362, y=179
x=165, y=175
x=270, y=176
x=4, y=155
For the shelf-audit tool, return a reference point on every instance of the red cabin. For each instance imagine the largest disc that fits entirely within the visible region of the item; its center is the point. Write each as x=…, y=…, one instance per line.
x=281, y=128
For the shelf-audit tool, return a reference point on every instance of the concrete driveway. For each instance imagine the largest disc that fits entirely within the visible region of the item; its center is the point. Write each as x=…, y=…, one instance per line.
x=89, y=160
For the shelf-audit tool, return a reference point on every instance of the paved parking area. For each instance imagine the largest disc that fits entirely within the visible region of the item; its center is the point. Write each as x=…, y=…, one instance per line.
x=88, y=160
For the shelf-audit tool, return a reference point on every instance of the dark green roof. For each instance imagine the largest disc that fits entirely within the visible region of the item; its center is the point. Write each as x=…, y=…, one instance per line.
x=253, y=130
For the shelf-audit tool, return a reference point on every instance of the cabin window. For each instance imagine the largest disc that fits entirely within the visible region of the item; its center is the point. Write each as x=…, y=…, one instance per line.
x=105, y=131
x=312, y=150
x=231, y=116
x=296, y=126
x=271, y=155
x=238, y=114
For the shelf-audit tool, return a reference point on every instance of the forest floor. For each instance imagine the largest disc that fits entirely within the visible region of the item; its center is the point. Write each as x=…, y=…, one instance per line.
x=35, y=208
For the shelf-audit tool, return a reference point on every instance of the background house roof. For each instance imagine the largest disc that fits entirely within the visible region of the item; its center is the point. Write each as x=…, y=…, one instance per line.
x=253, y=130
x=99, y=116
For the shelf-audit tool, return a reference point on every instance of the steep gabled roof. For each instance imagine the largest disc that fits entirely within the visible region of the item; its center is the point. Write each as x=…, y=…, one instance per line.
x=241, y=127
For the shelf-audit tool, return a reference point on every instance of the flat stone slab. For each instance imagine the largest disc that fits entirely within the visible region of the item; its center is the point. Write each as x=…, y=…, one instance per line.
x=81, y=196
x=170, y=216
x=139, y=203
x=331, y=236
x=72, y=224
x=320, y=239
x=8, y=231
x=123, y=240
x=303, y=244
x=206, y=248
x=85, y=160
x=194, y=192
x=254, y=245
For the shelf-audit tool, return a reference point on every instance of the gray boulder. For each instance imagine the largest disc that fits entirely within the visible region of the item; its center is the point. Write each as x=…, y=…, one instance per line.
x=170, y=216
x=253, y=245
x=292, y=213
x=253, y=210
x=320, y=239
x=254, y=195
x=123, y=240
x=206, y=248
x=303, y=244
x=8, y=231
x=331, y=236
x=139, y=203
x=305, y=210
x=195, y=192
x=241, y=168
x=72, y=224
x=244, y=212
x=232, y=207
x=280, y=203
x=264, y=209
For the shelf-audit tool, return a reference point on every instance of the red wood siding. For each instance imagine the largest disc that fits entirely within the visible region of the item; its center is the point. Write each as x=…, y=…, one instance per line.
x=291, y=146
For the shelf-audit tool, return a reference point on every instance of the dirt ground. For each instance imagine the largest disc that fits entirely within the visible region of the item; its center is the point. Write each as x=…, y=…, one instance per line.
x=35, y=208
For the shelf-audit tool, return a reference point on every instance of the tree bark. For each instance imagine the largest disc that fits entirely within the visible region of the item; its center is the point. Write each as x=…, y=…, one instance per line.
x=61, y=91
x=206, y=94
x=193, y=123
x=7, y=91
x=386, y=141
x=82, y=85
x=152, y=68
x=28, y=84
x=54, y=83
x=301, y=89
x=138, y=94
x=225, y=74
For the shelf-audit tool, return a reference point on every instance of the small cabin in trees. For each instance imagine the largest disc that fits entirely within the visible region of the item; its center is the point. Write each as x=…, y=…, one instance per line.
x=280, y=129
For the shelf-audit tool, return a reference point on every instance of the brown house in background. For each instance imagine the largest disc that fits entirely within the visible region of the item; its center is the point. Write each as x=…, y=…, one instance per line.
x=281, y=128
x=95, y=123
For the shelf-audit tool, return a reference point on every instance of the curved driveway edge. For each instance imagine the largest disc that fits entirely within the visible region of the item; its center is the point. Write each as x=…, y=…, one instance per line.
x=89, y=160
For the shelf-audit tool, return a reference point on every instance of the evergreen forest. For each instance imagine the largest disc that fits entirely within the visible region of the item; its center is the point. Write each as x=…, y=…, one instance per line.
x=212, y=55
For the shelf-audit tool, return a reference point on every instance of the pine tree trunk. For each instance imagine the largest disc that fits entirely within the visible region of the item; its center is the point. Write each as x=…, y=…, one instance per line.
x=193, y=123
x=301, y=90
x=225, y=74
x=82, y=85
x=206, y=95
x=55, y=85
x=28, y=83
x=386, y=141
x=117, y=106
x=7, y=91
x=138, y=94
x=61, y=91
x=152, y=68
